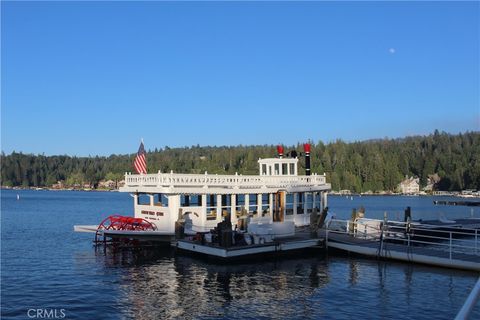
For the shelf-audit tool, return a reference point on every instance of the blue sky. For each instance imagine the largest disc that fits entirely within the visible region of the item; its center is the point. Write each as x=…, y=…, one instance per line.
x=92, y=78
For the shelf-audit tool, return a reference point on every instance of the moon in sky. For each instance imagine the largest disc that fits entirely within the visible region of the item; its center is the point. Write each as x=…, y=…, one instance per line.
x=391, y=50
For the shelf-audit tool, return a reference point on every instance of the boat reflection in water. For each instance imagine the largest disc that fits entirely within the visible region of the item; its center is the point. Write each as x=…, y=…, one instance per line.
x=153, y=283
x=162, y=285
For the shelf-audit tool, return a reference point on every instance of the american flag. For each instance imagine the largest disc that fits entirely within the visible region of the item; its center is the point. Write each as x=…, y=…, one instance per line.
x=140, y=163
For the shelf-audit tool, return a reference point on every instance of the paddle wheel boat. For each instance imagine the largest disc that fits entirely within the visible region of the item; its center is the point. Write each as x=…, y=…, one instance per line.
x=266, y=207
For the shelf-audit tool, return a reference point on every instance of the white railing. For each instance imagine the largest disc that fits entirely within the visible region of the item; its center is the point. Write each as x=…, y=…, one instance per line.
x=225, y=181
x=464, y=240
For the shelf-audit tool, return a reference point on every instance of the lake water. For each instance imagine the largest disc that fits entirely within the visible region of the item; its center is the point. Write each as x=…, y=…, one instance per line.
x=46, y=266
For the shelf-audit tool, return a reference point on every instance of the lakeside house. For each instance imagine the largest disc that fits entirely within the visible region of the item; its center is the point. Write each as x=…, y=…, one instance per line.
x=432, y=182
x=469, y=193
x=409, y=185
x=59, y=185
x=108, y=184
x=103, y=184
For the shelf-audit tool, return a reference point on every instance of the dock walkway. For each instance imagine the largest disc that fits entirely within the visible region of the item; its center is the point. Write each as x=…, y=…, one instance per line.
x=426, y=254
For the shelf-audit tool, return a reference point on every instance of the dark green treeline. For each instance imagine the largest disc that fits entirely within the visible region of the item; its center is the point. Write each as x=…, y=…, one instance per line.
x=359, y=166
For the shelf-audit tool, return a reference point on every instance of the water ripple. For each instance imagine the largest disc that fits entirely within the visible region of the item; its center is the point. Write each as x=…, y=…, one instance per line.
x=45, y=265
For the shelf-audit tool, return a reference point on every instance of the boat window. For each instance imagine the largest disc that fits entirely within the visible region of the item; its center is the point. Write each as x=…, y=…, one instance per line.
x=212, y=215
x=284, y=168
x=185, y=200
x=292, y=168
x=143, y=199
x=165, y=200
x=300, y=200
x=252, y=199
x=289, y=204
x=226, y=205
x=277, y=169
x=157, y=199
x=318, y=201
x=194, y=200
x=300, y=197
x=211, y=200
x=240, y=203
x=265, y=204
x=264, y=169
x=309, y=202
x=211, y=207
x=226, y=200
x=252, y=203
x=226, y=211
x=240, y=199
x=269, y=170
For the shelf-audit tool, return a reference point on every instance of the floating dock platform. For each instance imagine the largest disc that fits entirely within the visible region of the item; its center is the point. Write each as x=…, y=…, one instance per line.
x=279, y=246
x=425, y=254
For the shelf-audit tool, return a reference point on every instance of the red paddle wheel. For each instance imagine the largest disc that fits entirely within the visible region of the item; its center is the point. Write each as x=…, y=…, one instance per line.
x=117, y=222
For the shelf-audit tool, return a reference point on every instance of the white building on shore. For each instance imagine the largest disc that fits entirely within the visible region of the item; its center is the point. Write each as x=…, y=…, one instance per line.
x=409, y=185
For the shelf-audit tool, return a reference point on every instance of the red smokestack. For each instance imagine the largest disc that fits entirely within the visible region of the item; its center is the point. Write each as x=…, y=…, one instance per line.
x=306, y=148
x=280, y=151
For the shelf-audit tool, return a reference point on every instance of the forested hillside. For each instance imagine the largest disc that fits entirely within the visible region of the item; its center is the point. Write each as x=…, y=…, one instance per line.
x=359, y=166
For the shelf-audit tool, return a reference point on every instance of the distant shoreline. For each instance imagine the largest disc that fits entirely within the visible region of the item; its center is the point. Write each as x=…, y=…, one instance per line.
x=333, y=193
x=56, y=189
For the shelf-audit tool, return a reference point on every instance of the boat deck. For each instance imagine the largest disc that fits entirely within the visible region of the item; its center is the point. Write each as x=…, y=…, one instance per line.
x=420, y=254
x=299, y=241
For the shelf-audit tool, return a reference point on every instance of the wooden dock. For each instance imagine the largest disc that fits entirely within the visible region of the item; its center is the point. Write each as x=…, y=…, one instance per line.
x=414, y=253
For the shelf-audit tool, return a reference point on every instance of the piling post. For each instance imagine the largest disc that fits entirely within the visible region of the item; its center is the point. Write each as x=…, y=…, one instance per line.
x=450, y=245
x=326, y=238
x=476, y=241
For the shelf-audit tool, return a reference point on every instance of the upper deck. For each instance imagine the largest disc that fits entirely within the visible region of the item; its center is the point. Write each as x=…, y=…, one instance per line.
x=275, y=174
x=221, y=184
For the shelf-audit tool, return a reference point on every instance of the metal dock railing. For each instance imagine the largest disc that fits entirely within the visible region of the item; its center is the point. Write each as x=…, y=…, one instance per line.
x=446, y=247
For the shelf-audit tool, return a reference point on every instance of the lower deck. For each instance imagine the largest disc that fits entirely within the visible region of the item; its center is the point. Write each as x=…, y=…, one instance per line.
x=288, y=244
x=204, y=211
